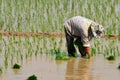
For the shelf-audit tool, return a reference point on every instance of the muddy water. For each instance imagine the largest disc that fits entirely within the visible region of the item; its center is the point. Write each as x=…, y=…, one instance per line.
x=45, y=67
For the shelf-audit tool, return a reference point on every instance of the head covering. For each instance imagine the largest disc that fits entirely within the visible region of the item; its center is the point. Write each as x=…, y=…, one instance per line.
x=97, y=30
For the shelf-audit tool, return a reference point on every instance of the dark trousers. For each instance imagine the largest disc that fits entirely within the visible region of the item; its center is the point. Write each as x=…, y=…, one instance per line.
x=70, y=45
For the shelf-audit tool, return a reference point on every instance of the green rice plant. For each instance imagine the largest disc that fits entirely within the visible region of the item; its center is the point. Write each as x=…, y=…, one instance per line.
x=61, y=41
x=99, y=50
x=6, y=63
x=119, y=66
x=111, y=57
x=38, y=15
x=93, y=51
x=61, y=55
x=12, y=59
x=51, y=51
x=0, y=50
x=32, y=77
x=21, y=56
x=44, y=43
x=110, y=48
x=75, y=55
x=16, y=66
x=6, y=59
x=49, y=16
x=119, y=37
x=0, y=37
x=118, y=51
x=54, y=43
x=1, y=71
x=106, y=52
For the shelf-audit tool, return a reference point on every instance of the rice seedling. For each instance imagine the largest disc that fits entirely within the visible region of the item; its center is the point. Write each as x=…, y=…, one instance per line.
x=38, y=16
x=6, y=63
x=32, y=77
x=61, y=55
x=48, y=16
x=16, y=66
x=111, y=57
x=119, y=66
x=93, y=51
x=51, y=51
x=1, y=71
x=0, y=37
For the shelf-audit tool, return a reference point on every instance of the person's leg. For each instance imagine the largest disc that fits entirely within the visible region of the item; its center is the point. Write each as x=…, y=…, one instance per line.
x=80, y=47
x=70, y=44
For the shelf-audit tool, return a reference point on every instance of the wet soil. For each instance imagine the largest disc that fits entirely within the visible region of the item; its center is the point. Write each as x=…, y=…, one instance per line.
x=45, y=34
x=29, y=34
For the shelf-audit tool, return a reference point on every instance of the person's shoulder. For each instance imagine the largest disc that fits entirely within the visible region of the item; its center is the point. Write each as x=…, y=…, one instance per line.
x=83, y=18
x=77, y=17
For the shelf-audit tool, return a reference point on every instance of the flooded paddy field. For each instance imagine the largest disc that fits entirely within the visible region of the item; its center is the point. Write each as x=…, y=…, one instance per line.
x=36, y=52
x=46, y=67
x=36, y=56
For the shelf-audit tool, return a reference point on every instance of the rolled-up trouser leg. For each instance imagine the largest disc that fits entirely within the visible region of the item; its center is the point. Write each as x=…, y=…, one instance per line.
x=70, y=45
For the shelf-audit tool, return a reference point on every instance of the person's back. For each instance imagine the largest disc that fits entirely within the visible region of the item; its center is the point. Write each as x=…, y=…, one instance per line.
x=80, y=19
x=77, y=24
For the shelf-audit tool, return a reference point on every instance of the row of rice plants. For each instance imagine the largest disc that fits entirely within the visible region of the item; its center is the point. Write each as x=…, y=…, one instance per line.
x=48, y=16
x=106, y=47
x=109, y=48
x=19, y=49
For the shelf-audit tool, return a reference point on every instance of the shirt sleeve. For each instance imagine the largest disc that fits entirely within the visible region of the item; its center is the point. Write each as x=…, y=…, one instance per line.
x=85, y=40
x=84, y=35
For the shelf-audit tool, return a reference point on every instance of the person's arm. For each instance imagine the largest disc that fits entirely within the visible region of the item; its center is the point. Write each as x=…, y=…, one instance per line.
x=85, y=40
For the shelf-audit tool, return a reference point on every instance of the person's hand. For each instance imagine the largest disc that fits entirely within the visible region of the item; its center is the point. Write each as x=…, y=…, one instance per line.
x=87, y=52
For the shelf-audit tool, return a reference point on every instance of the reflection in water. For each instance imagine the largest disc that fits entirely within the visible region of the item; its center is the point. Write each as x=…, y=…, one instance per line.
x=47, y=68
x=103, y=69
x=78, y=69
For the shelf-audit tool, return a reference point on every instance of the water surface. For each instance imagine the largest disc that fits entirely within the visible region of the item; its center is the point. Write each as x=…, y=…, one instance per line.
x=45, y=67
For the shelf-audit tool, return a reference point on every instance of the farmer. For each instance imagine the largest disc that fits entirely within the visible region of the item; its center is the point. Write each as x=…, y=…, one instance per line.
x=80, y=31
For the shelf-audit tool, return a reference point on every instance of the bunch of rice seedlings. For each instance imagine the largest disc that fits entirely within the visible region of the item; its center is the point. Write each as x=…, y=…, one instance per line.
x=94, y=51
x=16, y=66
x=111, y=57
x=61, y=55
x=32, y=77
x=119, y=66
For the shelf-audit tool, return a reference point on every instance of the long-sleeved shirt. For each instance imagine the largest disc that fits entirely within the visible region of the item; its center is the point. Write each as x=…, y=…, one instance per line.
x=79, y=27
